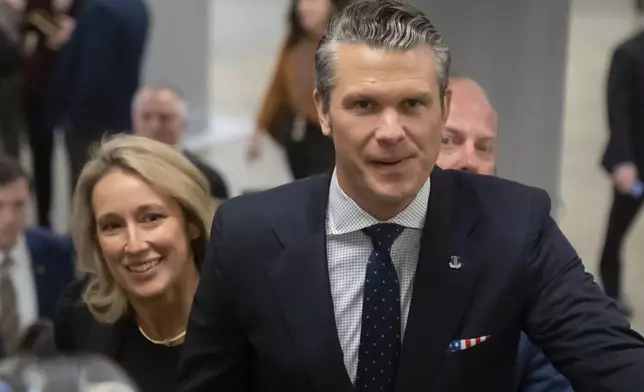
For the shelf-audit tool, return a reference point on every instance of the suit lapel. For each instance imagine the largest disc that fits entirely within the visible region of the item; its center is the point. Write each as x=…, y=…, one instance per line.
x=301, y=283
x=441, y=293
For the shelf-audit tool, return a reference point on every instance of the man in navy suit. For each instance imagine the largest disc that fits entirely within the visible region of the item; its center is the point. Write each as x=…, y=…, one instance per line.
x=390, y=274
x=469, y=143
x=98, y=74
x=42, y=264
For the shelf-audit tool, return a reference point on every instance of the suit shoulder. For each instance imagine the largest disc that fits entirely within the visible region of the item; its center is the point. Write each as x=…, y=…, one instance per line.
x=49, y=239
x=632, y=46
x=505, y=199
x=275, y=202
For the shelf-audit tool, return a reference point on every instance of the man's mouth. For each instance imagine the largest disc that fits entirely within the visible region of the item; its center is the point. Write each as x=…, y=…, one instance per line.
x=389, y=162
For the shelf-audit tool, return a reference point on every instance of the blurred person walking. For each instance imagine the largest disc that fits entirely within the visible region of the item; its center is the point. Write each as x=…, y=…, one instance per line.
x=99, y=73
x=11, y=61
x=48, y=26
x=288, y=111
x=623, y=158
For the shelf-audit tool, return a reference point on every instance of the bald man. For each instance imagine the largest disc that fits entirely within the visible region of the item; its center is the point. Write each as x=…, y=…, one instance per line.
x=469, y=140
x=469, y=144
x=161, y=113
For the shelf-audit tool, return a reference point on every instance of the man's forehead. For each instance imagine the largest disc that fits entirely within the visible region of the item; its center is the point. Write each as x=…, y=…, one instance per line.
x=470, y=107
x=360, y=63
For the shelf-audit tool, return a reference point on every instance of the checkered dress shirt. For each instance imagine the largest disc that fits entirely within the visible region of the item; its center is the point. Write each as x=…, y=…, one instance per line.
x=348, y=250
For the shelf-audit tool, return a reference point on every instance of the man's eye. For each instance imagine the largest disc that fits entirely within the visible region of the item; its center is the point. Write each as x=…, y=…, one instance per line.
x=362, y=104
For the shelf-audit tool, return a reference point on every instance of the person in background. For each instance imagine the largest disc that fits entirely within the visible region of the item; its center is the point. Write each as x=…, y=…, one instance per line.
x=161, y=113
x=98, y=74
x=623, y=158
x=288, y=112
x=35, y=265
x=140, y=222
x=11, y=64
x=47, y=27
x=470, y=144
x=362, y=279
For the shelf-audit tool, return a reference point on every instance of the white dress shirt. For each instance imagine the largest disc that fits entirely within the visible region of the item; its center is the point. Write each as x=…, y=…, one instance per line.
x=348, y=250
x=24, y=282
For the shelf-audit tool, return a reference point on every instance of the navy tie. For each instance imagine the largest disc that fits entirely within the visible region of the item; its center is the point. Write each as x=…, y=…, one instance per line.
x=380, y=333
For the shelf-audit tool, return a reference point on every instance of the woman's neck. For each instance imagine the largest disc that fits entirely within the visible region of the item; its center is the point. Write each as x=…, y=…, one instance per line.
x=166, y=316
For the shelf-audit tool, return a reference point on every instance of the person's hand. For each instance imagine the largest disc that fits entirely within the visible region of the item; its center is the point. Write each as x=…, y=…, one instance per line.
x=66, y=26
x=255, y=146
x=624, y=176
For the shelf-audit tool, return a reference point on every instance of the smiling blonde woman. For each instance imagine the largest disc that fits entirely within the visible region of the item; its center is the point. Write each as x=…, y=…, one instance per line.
x=140, y=222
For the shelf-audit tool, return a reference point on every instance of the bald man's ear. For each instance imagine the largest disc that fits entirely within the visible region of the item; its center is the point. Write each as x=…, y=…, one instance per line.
x=447, y=103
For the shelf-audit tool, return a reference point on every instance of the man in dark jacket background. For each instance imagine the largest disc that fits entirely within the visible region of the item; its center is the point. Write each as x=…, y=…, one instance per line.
x=99, y=74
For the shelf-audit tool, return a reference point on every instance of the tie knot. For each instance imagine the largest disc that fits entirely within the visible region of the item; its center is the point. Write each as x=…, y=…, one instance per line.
x=383, y=235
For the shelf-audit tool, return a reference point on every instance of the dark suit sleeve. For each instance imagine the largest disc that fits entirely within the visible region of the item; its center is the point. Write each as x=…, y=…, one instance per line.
x=536, y=373
x=215, y=352
x=619, y=101
x=568, y=316
x=95, y=42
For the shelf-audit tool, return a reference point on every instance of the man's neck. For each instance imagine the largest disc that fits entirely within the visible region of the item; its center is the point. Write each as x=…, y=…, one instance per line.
x=381, y=210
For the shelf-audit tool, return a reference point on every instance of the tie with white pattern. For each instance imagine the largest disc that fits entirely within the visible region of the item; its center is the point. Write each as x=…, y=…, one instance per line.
x=380, y=333
x=9, y=327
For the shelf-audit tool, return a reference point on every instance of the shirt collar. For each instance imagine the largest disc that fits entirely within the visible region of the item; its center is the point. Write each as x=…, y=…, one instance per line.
x=345, y=216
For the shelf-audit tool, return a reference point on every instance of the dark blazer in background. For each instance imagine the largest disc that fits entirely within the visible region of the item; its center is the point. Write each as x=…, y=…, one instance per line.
x=53, y=262
x=218, y=187
x=101, y=68
x=263, y=316
x=53, y=266
x=625, y=100
x=98, y=75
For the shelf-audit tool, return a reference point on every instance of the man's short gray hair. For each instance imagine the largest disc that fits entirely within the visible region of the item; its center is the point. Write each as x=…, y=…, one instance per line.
x=386, y=24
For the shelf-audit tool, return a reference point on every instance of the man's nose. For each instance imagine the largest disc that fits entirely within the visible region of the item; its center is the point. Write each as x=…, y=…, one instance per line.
x=470, y=162
x=390, y=130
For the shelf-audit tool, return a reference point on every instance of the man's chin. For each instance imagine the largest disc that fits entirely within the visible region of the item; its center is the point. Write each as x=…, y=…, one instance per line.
x=393, y=192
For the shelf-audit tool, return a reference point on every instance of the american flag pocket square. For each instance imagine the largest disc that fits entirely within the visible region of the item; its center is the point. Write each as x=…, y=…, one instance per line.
x=464, y=344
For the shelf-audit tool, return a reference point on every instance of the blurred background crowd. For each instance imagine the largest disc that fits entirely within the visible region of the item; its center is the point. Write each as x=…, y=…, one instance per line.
x=228, y=84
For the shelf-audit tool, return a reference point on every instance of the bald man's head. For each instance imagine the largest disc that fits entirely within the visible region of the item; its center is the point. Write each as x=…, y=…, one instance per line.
x=469, y=140
x=160, y=113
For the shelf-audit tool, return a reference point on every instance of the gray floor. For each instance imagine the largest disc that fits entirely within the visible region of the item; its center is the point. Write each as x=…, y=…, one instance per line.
x=243, y=60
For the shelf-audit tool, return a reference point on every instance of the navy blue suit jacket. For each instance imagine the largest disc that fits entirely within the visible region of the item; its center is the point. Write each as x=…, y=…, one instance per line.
x=99, y=70
x=52, y=261
x=263, y=316
x=535, y=373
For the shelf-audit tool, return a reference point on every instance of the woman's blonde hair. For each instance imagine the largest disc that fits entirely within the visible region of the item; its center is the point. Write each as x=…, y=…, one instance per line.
x=165, y=169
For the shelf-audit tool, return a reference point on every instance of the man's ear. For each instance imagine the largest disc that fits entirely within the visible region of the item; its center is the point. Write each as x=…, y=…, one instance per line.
x=447, y=104
x=323, y=113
